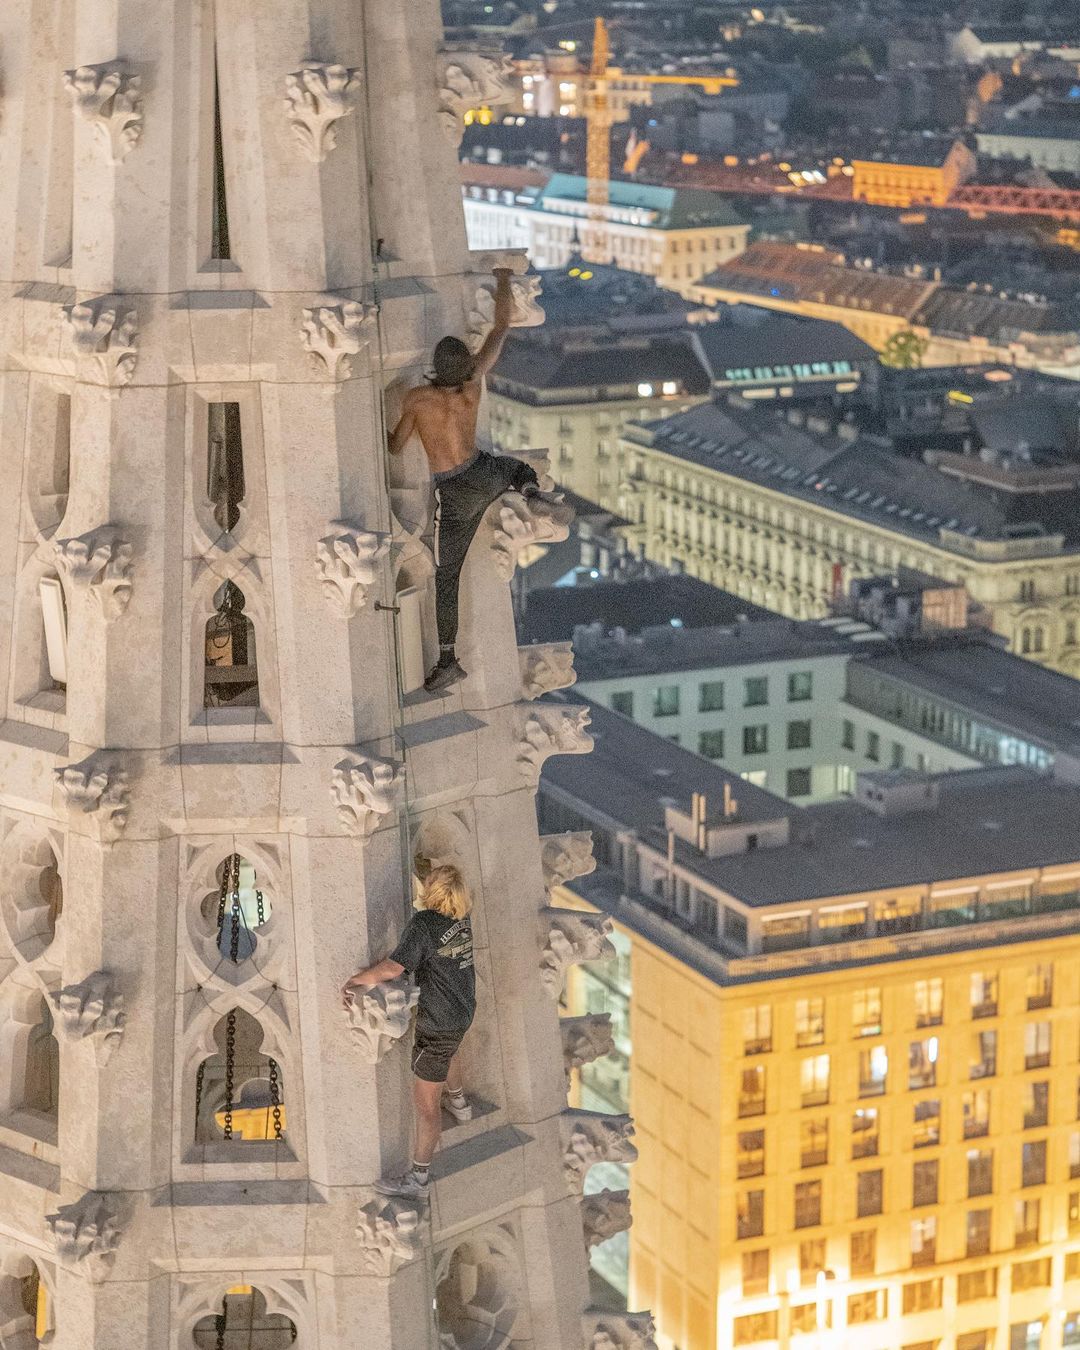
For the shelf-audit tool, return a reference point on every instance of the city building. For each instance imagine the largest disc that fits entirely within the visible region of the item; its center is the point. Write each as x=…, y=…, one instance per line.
x=849, y=1034
x=923, y=171
x=956, y=326
x=979, y=43
x=204, y=824
x=676, y=235
x=801, y=708
x=1048, y=137
x=615, y=347
x=787, y=510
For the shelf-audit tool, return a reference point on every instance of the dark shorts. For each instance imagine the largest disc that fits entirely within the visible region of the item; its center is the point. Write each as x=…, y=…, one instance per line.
x=432, y=1053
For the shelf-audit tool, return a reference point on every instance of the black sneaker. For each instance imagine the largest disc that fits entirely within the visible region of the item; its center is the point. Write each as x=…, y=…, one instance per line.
x=443, y=676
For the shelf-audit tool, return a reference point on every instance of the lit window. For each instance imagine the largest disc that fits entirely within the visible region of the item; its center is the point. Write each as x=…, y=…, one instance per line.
x=864, y=1132
x=757, y=1030
x=814, y=1080
x=866, y=1011
x=645, y=391
x=873, y=1071
x=809, y=1021
x=670, y=387
x=928, y=1002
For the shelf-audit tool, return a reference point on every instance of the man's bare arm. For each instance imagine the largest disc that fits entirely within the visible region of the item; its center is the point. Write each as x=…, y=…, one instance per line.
x=504, y=310
x=399, y=437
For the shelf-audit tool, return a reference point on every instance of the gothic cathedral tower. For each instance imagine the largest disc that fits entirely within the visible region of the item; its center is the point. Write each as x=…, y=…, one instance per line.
x=230, y=235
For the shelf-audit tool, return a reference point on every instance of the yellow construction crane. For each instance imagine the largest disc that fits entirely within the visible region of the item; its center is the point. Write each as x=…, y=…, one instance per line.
x=596, y=247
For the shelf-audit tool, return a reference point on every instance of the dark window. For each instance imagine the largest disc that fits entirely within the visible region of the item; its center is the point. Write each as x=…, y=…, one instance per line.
x=623, y=702
x=711, y=696
x=232, y=676
x=980, y=1170
x=798, y=782
x=711, y=744
x=755, y=1272
x=1036, y=1105
x=863, y=1252
x=924, y=1183
x=873, y=746
x=755, y=740
x=756, y=691
x=847, y=737
x=1033, y=1163
x=800, y=687
x=751, y=1154
x=978, y=1232
x=666, y=701
x=798, y=735
x=868, y=1193
x=750, y=1216
x=807, y=1204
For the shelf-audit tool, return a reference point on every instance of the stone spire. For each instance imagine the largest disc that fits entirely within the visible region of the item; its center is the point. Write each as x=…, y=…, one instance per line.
x=229, y=238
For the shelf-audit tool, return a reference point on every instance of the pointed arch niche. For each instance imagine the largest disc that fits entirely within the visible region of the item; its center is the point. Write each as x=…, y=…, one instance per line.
x=48, y=458
x=245, y=1321
x=29, y=1062
x=231, y=667
x=39, y=664
x=239, y=1089
x=26, y=1301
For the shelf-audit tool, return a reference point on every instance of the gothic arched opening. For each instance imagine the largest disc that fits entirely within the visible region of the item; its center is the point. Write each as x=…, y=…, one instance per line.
x=239, y=1092
x=231, y=678
x=237, y=909
x=25, y=1307
x=41, y=1067
x=476, y=1298
x=225, y=463
x=244, y=1324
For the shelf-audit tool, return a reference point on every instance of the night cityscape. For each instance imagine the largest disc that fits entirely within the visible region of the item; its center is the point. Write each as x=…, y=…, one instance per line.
x=540, y=631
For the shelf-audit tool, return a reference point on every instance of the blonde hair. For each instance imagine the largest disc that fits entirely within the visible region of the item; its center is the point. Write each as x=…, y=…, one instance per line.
x=445, y=892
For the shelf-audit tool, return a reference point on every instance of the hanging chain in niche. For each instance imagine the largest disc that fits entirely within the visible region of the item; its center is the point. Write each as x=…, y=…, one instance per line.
x=221, y=1322
x=275, y=1097
x=200, y=1076
x=230, y=1068
x=234, y=935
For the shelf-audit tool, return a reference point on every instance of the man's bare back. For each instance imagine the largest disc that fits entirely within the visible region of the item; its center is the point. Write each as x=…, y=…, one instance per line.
x=444, y=417
x=445, y=421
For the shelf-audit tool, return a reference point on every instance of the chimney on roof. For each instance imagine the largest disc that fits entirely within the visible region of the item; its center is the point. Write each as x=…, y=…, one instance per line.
x=731, y=805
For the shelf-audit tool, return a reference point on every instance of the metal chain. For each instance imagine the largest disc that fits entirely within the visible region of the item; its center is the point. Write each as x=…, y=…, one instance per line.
x=230, y=1064
x=200, y=1075
x=234, y=936
x=275, y=1097
x=261, y=909
x=221, y=1322
x=222, y=897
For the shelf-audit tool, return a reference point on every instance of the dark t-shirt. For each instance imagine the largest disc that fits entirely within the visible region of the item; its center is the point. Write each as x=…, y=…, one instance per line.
x=438, y=953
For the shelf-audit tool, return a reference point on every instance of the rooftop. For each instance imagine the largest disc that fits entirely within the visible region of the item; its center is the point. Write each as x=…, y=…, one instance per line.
x=600, y=655
x=1039, y=704
x=553, y=613
x=748, y=336
x=863, y=477
x=674, y=208
x=1001, y=820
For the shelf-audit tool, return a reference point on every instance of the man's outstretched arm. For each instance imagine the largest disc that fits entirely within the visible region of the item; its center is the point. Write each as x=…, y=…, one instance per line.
x=504, y=309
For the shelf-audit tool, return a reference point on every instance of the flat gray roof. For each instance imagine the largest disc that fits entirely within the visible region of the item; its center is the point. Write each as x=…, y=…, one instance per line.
x=988, y=820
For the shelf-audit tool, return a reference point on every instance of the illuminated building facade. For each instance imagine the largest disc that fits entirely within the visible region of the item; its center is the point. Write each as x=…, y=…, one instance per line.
x=787, y=511
x=852, y=1051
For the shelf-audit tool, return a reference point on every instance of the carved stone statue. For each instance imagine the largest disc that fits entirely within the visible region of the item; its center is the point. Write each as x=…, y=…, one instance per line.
x=100, y=564
x=524, y=522
x=95, y=786
x=526, y=312
x=389, y=1234
x=605, y=1214
x=566, y=856
x=380, y=1017
x=591, y=1137
x=88, y=1231
x=545, y=667
x=469, y=80
x=92, y=1008
x=553, y=729
x=585, y=1039
x=571, y=936
x=316, y=97
x=619, y=1331
x=364, y=789
x=346, y=562
x=111, y=99
x=330, y=334
x=104, y=342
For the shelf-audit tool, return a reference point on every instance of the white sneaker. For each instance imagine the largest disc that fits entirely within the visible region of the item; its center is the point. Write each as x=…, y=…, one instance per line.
x=460, y=1108
x=409, y=1186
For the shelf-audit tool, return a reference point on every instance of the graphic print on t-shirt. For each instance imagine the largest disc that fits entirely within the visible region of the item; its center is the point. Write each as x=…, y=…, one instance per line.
x=456, y=944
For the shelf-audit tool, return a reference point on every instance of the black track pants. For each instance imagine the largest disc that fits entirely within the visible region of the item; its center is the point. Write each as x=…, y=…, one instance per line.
x=461, y=498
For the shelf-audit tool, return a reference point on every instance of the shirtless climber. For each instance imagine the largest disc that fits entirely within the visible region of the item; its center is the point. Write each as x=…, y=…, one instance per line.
x=444, y=413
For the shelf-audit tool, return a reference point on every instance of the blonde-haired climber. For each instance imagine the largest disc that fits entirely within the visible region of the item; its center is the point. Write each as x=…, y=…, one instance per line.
x=436, y=949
